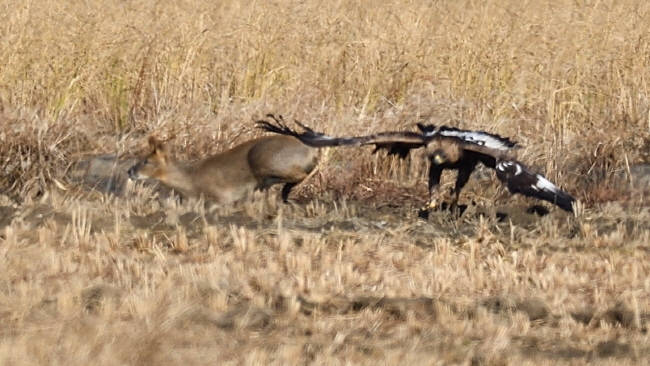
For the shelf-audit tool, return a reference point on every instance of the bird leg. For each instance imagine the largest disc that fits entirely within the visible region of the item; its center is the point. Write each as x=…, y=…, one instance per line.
x=434, y=198
x=435, y=172
x=455, y=194
x=461, y=180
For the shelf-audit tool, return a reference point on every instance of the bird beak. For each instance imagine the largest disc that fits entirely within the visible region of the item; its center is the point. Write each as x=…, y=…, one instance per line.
x=438, y=159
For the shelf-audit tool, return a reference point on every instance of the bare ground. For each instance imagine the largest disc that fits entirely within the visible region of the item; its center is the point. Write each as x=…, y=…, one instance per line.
x=135, y=280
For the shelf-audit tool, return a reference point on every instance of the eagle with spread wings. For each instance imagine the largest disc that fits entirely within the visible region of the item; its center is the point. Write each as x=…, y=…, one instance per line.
x=447, y=148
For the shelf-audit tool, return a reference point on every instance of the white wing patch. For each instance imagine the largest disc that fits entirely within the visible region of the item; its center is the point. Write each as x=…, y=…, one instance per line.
x=321, y=136
x=479, y=138
x=474, y=137
x=503, y=165
x=519, y=179
x=544, y=184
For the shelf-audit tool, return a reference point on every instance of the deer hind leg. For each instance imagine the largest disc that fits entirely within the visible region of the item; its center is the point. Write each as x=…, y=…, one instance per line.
x=286, y=190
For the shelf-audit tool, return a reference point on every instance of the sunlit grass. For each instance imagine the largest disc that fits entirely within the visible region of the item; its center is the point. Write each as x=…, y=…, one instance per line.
x=348, y=274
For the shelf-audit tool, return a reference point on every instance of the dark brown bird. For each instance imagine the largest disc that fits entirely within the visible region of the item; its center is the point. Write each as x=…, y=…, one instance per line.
x=447, y=148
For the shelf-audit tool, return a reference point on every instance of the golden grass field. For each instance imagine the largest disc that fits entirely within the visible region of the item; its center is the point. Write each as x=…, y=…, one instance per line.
x=124, y=274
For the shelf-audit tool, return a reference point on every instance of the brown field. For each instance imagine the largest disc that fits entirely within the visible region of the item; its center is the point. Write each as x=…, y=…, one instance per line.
x=99, y=271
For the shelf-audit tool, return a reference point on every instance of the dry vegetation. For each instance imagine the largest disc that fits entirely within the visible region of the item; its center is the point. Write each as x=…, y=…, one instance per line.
x=347, y=274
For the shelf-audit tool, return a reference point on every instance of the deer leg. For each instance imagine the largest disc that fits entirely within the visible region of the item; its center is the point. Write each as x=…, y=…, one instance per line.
x=285, y=191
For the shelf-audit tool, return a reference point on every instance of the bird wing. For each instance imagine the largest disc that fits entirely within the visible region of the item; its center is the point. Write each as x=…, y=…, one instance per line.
x=519, y=179
x=486, y=151
x=396, y=143
x=474, y=137
x=308, y=136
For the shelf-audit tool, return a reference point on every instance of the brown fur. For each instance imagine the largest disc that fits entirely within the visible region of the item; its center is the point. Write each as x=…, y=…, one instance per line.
x=234, y=174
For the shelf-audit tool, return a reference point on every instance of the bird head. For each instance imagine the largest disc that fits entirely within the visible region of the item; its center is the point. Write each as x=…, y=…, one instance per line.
x=439, y=157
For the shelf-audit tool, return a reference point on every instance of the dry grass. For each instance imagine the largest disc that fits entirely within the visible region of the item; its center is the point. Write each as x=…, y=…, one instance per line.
x=348, y=274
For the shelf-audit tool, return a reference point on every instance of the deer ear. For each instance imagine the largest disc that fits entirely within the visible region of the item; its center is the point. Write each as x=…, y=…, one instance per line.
x=158, y=147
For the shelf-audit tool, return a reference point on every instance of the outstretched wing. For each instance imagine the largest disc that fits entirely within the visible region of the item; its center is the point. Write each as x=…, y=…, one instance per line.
x=481, y=138
x=307, y=137
x=396, y=143
x=519, y=179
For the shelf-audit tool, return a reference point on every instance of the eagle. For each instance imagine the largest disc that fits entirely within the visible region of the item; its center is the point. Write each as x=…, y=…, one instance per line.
x=447, y=148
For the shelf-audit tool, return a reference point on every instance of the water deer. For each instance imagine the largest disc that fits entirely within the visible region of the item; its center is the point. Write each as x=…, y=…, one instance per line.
x=233, y=174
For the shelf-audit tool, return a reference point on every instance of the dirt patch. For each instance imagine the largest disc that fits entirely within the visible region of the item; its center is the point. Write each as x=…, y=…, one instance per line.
x=640, y=176
x=245, y=317
x=38, y=214
x=93, y=297
x=104, y=173
x=7, y=214
x=154, y=221
x=534, y=309
x=618, y=314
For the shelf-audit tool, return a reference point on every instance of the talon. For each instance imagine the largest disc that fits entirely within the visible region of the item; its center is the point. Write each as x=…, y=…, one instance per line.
x=432, y=205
